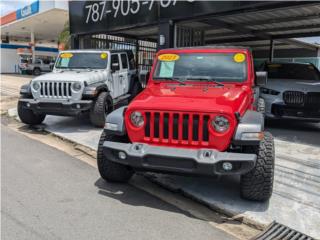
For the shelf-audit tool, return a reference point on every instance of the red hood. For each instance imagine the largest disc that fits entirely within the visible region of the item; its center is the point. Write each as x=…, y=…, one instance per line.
x=196, y=97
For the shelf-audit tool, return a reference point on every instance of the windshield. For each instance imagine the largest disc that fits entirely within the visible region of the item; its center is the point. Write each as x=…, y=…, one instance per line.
x=221, y=67
x=293, y=71
x=82, y=60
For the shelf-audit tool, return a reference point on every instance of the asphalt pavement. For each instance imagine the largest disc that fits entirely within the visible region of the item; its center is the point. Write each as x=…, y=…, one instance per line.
x=47, y=194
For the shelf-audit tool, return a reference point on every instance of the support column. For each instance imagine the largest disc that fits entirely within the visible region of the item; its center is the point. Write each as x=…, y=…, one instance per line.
x=166, y=35
x=33, y=46
x=271, y=50
x=74, y=44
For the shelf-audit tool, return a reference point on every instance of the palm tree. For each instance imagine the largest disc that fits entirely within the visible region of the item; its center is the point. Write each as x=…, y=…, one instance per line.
x=64, y=37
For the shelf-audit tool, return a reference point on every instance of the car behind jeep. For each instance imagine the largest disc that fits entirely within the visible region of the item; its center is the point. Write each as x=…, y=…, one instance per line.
x=92, y=81
x=195, y=117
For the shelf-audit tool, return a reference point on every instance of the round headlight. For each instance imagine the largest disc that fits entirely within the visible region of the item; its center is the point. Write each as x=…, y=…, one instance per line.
x=137, y=119
x=36, y=86
x=76, y=86
x=220, y=124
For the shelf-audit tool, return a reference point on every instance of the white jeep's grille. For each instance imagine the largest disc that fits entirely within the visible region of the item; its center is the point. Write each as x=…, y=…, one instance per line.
x=60, y=90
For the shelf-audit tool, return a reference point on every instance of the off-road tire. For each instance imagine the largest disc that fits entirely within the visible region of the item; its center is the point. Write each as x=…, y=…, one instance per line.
x=257, y=184
x=98, y=111
x=112, y=171
x=36, y=71
x=136, y=89
x=27, y=116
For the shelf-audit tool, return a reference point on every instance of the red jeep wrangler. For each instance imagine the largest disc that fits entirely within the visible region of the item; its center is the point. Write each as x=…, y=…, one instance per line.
x=195, y=117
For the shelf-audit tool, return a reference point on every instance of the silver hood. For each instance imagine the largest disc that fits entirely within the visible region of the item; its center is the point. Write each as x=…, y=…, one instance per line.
x=74, y=76
x=282, y=85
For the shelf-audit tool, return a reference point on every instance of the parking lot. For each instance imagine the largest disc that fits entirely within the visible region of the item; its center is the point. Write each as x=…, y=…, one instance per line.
x=297, y=179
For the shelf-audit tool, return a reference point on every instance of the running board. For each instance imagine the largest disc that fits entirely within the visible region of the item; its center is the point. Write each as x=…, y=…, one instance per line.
x=121, y=98
x=277, y=231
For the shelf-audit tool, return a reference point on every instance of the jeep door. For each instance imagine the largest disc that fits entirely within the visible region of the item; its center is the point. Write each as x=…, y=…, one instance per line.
x=115, y=72
x=124, y=74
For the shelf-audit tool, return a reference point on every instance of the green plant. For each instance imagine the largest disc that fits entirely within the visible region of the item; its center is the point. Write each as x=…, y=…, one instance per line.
x=64, y=36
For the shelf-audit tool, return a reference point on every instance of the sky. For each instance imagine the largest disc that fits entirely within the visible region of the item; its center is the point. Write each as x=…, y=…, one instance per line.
x=7, y=6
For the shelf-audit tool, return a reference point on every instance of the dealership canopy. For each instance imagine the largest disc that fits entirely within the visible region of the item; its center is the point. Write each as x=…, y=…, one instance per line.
x=186, y=23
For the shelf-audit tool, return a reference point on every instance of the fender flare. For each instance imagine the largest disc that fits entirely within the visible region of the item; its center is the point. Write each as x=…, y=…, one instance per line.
x=92, y=90
x=250, y=122
x=115, y=122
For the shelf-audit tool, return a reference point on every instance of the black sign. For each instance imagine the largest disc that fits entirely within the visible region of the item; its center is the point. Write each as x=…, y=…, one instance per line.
x=114, y=15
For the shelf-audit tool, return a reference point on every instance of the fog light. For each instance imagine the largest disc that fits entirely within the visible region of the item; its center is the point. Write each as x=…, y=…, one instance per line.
x=28, y=105
x=78, y=106
x=227, y=166
x=122, y=155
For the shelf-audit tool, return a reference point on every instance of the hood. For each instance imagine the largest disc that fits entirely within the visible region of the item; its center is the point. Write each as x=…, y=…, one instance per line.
x=293, y=85
x=88, y=76
x=193, y=98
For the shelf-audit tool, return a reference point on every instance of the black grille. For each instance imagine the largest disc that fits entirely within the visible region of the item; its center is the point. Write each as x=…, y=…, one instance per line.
x=313, y=99
x=294, y=97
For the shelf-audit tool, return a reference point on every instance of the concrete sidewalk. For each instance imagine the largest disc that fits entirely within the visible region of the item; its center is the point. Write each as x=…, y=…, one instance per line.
x=296, y=197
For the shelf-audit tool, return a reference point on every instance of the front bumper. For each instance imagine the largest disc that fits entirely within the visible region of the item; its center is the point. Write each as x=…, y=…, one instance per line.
x=275, y=108
x=207, y=162
x=63, y=108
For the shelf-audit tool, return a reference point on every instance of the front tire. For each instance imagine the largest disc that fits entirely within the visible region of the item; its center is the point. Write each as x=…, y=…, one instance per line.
x=257, y=184
x=36, y=71
x=112, y=171
x=27, y=116
x=99, y=110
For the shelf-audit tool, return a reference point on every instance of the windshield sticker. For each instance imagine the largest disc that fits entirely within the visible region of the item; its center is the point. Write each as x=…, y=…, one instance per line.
x=64, y=62
x=66, y=55
x=239, y=57
x=166, y=69
x=103, y=56
x=168, y=57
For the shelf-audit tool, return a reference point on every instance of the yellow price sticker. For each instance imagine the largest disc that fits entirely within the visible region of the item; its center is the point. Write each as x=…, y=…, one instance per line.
x=66, y=55
x=168, y=57
x=103, y=56
x=239, y=57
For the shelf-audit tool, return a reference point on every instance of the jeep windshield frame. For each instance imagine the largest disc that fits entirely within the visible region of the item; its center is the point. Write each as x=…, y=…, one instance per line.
x=82, y=60
x=220, y=67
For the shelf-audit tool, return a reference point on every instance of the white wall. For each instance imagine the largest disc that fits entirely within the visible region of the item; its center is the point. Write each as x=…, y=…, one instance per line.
x=9, y=59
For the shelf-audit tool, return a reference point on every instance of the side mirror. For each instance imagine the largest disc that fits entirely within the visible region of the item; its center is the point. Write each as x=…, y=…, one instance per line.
x=261, y=78
x=114, y=67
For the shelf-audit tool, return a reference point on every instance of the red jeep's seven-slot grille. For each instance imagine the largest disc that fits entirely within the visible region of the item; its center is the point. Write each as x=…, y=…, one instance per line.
x=183, y=128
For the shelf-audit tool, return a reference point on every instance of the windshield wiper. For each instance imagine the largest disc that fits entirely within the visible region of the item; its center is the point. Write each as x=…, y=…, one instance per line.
x=208, y=79
x=181, y=81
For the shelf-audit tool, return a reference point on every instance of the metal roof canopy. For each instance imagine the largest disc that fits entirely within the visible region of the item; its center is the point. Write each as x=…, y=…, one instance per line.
x=45, y=25
x=296, y=20
x=255, y=27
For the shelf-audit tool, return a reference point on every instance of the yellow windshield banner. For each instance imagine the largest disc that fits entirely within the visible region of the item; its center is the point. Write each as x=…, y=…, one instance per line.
x=239, y=57
x=103, y=55
x=66, y=55
x=168, y=57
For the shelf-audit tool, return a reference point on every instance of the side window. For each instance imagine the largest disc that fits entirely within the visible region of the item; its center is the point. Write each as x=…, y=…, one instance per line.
x=38, y=61
x=115, y=62
x=124, y=61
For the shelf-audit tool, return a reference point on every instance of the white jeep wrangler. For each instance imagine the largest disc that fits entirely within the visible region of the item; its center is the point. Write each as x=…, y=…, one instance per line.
x=93, y=81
